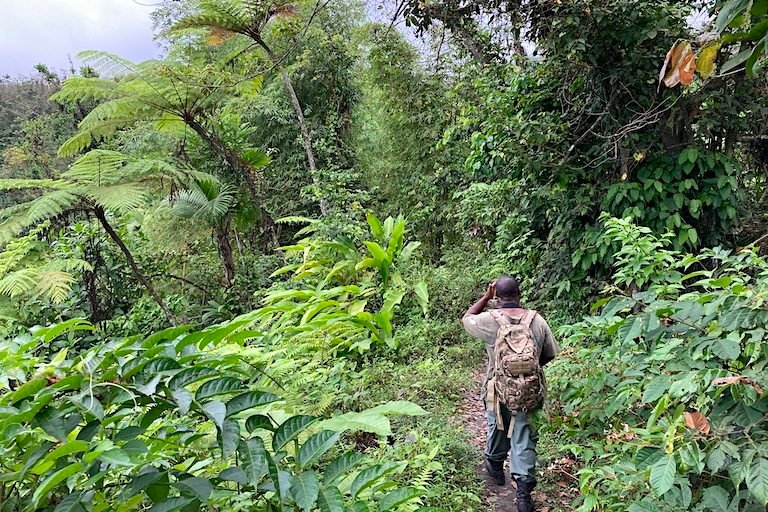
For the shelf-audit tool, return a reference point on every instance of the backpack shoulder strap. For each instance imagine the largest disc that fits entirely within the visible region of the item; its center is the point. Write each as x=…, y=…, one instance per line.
x=500, y=317
x=528, y=317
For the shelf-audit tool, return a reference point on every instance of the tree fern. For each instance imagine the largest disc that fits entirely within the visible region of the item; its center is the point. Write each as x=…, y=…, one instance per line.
x=19, y=282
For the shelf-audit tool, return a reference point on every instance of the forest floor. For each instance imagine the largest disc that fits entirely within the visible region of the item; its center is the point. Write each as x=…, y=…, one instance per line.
x=557, y=487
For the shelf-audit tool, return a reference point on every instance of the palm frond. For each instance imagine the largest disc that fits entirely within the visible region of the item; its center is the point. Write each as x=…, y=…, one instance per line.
x=204, y=201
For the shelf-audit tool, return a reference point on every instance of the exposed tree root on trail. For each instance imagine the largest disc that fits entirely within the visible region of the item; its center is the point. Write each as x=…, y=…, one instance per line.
x=555, y=492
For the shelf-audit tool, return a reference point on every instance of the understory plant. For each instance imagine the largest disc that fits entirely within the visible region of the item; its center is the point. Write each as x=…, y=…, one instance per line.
x=663, y=390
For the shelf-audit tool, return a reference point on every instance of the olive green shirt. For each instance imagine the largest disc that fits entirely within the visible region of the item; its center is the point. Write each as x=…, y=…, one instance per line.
x=483, y=326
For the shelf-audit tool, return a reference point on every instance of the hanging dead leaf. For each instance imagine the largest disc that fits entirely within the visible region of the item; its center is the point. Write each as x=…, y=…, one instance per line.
x=697, y=421
x=217, y=36
x=679, y=65
x=726, y=381
x=705, y=63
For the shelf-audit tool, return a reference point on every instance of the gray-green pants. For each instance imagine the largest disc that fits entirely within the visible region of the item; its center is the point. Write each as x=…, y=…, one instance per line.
x=521, y=447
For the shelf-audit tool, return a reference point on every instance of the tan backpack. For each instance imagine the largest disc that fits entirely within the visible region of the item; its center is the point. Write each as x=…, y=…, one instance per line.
x=518, y=381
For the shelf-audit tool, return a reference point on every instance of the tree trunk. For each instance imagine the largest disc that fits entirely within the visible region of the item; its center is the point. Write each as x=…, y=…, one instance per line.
x=225, y=251
x=101, y=215
x=242, y=167
x=305, y=137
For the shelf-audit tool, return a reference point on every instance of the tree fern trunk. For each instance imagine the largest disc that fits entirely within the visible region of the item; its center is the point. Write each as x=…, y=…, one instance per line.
x=225, y=251
x=101, y=215
x=240, y=166
x=305, y=137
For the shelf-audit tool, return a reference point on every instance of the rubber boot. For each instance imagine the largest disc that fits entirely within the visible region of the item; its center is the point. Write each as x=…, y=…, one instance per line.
x=495, y=468
x=524, y=498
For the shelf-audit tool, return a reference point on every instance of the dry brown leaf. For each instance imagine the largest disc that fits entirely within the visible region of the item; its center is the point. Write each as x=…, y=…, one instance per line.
x=726, y=381
x=679, y=65
x=697, y=421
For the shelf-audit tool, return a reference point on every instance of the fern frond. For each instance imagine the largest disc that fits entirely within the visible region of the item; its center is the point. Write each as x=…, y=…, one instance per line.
x=19, y=184
x=127, y=110
x=19, y=282
x=55, y=285
x=51, y=205
x=108, y=64
x=78, y=88
x=229, y=15
x=119, y=198
x=75, y=144
x=68, y=265
x=98, y=166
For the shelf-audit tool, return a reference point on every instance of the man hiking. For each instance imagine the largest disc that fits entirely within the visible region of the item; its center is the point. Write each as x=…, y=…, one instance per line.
x=519, y=343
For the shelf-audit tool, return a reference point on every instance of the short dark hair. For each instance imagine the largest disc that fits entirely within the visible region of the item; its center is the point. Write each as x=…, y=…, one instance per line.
x=507, y=288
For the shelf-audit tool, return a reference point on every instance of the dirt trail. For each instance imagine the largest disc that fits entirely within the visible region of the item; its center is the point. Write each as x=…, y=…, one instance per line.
x=555, y=491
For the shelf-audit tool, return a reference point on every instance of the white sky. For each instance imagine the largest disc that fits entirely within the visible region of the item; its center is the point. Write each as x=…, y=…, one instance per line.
x=49, y=31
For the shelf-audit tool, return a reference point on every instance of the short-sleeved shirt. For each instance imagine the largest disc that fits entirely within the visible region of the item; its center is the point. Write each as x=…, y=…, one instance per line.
x=483, y=326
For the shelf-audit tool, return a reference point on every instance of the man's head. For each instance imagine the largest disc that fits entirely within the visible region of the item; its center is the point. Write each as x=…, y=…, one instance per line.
x=507, y=288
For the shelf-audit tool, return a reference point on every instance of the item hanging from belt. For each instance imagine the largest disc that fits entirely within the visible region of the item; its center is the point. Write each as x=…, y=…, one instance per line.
x=492, y=399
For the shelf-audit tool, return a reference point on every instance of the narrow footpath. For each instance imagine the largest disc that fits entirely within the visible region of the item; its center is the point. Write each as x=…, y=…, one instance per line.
x=556, y=491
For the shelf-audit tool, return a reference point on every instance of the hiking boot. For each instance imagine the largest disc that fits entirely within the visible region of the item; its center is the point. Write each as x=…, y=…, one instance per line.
x=495, y=468
x=524, y=498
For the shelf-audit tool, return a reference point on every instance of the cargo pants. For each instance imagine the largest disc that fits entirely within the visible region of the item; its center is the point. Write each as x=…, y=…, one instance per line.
x=521, y=447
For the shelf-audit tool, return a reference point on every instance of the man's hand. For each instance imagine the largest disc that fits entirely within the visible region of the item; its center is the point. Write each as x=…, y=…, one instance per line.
x=478, y=306
x=491, y=291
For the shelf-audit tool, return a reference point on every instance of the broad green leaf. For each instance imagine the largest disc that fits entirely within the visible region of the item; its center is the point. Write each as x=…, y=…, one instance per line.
x=54, y=479
x=730, y=10
x=376, y=230
x=143, y=481
x=314, y=447
x=116, y=457
x=254, y=459
x=330, y=500
x=663, y=474
x=71, y=503
x=398, y=407
x=716, y=499
x=161, y=364
x=27, y=389
x=200, y=488
x=367, y=477
x=216, y=411
x=716, y=459
x=422, y=296
x=656, y=388
x=67, y=449
x=190, y=375
x=339, y=466
x=171, y=504
x=726, y=349
x=398, y=497
x=305, y=489
x=249, y=400
x=757, y=480
x=235, y=474
x=183, y=399
x=365, y=421
x=290, y=429
x=220, y=386
x=229, y=437
x=258, y=421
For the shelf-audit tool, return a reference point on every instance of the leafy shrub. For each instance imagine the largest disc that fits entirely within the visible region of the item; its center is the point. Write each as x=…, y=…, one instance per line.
x=663, y=391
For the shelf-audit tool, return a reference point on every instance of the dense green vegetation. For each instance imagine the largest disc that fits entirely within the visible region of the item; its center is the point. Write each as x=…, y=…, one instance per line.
x=230, y=278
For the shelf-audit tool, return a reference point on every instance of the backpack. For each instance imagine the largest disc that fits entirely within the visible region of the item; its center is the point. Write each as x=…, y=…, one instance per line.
x=518, y=381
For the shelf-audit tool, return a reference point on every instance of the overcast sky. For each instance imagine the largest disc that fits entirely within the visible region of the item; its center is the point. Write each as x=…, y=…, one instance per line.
x=48, y=31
